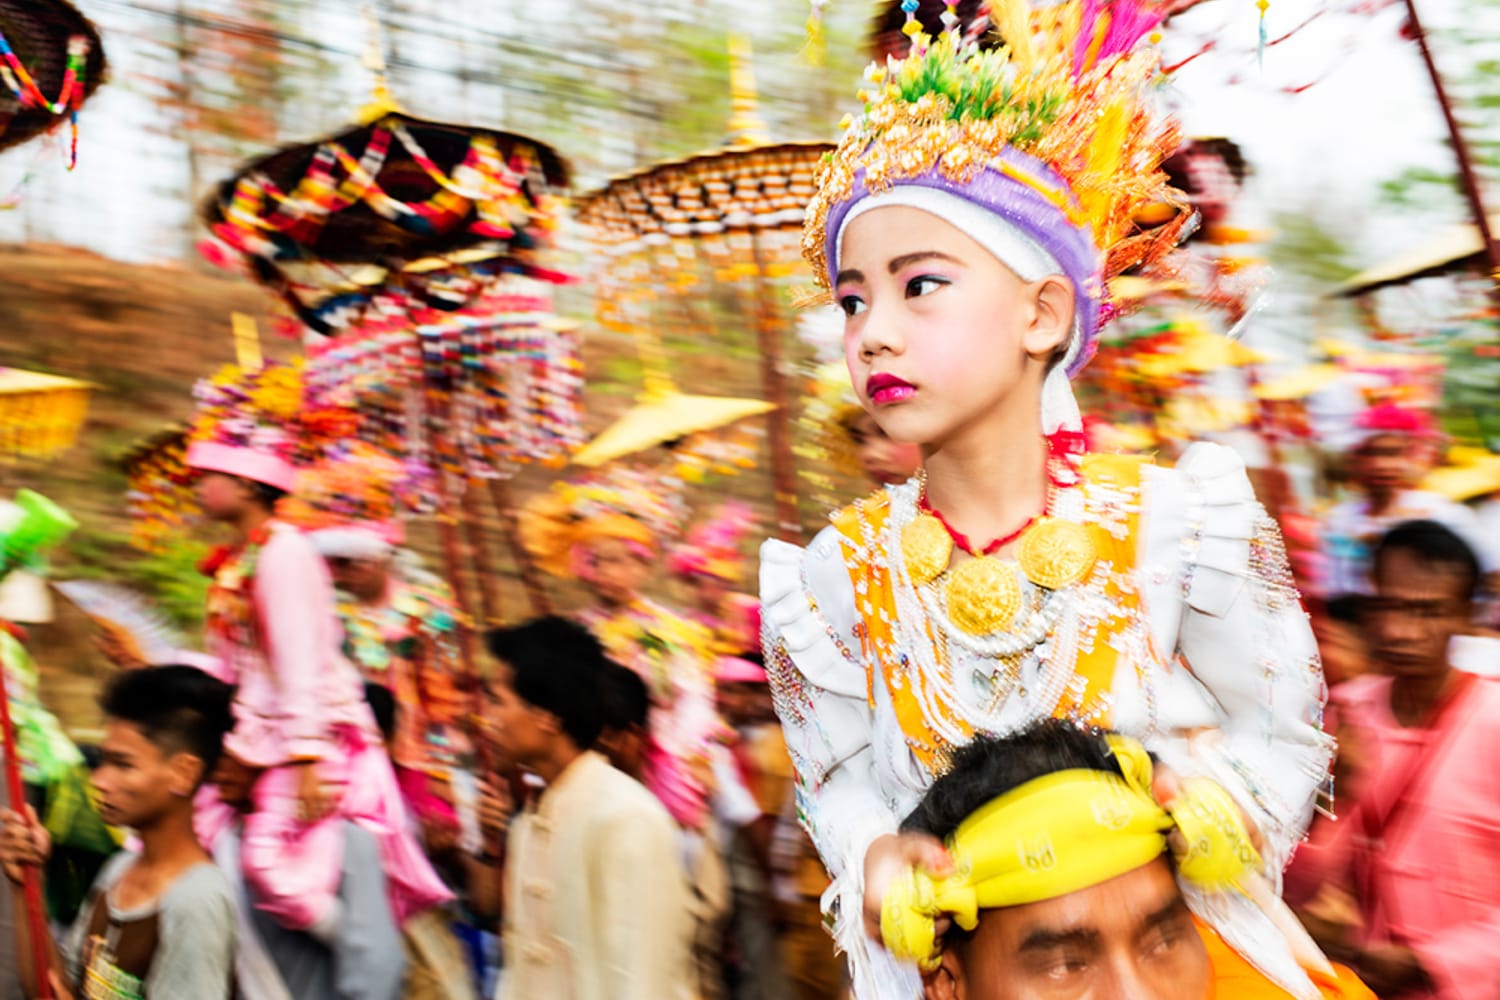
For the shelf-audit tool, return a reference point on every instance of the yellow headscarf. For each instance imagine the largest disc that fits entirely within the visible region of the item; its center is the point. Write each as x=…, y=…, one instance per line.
x=1061, y=833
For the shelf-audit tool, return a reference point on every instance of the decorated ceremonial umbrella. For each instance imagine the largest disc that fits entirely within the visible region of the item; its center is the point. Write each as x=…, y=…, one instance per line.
x=51, y=61
x=395, y=213
x=418, y=248
x=728, y=219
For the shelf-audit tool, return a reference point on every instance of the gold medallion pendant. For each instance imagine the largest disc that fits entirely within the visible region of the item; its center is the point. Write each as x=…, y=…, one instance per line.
x=1055, y=552
x=984, y=595
x=926, y=548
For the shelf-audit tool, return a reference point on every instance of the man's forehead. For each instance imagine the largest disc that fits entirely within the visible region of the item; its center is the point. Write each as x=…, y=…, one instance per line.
x=123, y=738
x=1121, y=905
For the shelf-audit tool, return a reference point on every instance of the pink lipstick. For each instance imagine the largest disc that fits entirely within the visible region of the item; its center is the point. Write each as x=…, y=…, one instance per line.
x=884, y=389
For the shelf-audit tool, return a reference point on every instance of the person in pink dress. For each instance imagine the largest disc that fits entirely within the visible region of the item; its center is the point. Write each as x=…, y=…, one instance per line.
x=1417, y=841
x=301, y=718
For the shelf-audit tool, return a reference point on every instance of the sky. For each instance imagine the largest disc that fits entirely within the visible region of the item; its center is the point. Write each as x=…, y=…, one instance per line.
x=1330, y=146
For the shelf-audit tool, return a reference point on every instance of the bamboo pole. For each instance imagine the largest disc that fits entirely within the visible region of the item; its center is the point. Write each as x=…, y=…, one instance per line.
x=531, y=577
x=1467, y=174
x=479, y=555
x=773, y=387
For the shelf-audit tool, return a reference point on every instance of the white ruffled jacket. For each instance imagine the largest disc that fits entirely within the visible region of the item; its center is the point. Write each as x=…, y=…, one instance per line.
x=1245, y=710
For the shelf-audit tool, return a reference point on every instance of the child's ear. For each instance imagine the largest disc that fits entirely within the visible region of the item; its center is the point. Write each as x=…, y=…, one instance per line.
x=1054, y=306
x=946, y=982
x=184, y=774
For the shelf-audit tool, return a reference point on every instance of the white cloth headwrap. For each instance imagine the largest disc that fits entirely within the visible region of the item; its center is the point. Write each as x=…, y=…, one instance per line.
x=1013, y=248
x=352, y=541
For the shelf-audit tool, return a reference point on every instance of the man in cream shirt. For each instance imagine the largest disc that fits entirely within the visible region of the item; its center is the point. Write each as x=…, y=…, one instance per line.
x=596, y=906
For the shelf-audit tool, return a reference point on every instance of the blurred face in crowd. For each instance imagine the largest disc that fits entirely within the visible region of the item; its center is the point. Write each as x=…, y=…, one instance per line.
x=625, y=748
x=1386, y=463
x=137, y=780
x=364, y=579
x=521, y=732
x=223, y=497
x=617, y=570
x=1211, y=186
x=235, y=780
x=882, y=460
x=1417, y=609
x=1130, y=937
x=709, y=592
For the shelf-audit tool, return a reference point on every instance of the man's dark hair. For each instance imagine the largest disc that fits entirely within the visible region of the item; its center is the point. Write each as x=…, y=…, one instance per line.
x=627, y=702
x=266, y=494
x=989, y=767
x=383, y=707
x=1175, y=166
x=179, y=709
x=558, y=666
x=1434, y=545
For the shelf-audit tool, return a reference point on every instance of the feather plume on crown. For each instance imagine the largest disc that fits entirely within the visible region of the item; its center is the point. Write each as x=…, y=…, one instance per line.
x=1070, y=90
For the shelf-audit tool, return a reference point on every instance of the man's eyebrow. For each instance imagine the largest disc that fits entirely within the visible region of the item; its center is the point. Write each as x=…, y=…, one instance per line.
x=907, y=259
x=1175, y=909
x=1046, y=938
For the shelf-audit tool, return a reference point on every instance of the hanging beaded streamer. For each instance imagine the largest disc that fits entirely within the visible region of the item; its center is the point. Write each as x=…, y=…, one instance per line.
x=71, y=95
x=502, y=379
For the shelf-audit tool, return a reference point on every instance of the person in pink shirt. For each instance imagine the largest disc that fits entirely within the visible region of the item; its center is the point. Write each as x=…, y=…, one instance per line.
x=1417, y=841
x=301, y=718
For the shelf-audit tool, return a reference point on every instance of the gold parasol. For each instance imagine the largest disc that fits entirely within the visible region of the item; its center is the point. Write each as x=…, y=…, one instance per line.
x=1455, y=248
x=1469, y=473
x=664, y=414
x=40, y=415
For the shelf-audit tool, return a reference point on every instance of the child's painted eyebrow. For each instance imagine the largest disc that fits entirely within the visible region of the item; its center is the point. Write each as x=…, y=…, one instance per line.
x=908, y=259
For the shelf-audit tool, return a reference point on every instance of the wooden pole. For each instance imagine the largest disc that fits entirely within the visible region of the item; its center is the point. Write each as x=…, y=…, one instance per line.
x=1467, y=174
x=773, y=387
x=531, y=577
x=479, y=555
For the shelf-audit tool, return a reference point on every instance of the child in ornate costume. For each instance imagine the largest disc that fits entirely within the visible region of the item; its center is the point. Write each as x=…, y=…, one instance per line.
x=300, y=713
x=401, y=625
x=967, y=225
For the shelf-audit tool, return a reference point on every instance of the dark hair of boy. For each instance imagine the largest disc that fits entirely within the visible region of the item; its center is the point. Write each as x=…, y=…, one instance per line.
x=1434, y=545
x=988, y=768
x=266, y=495
x=383, y=707
x=558, y=666
x=178, y=709
x=627, y=702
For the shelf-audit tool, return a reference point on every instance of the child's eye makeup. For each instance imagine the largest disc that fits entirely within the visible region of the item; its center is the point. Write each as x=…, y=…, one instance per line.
x=925, y=284
x=852, y=305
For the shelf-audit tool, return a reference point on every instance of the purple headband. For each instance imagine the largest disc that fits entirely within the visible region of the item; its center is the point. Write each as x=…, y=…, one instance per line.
x=1022, y=206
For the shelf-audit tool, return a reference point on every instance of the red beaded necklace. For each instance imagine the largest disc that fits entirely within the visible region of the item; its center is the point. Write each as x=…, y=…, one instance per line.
x=961, y=540
x=1060, y=446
